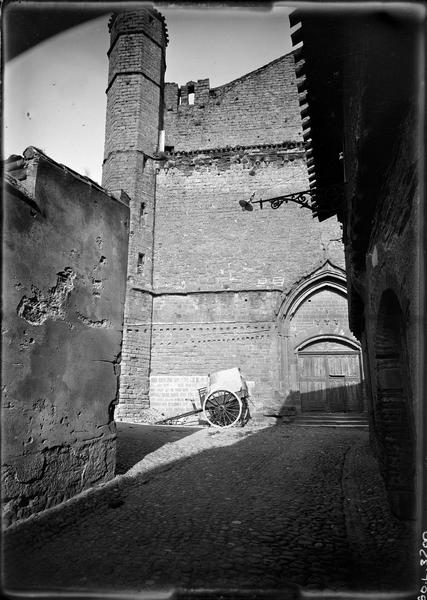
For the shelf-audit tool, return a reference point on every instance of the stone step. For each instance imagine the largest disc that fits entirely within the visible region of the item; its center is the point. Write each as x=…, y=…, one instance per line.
x=336, y=425
x=357, y=420
x=338, y=421
x=335, y=416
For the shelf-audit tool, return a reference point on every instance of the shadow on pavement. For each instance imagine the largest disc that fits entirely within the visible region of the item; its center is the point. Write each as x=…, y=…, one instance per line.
x=225, y=509
x=136, y=441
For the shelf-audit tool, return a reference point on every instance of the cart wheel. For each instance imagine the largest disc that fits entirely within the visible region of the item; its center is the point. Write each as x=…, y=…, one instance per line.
x=222, y=408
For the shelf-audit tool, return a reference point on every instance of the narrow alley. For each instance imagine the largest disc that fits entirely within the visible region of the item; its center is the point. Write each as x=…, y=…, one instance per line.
x=245, y=509
x=240, y=253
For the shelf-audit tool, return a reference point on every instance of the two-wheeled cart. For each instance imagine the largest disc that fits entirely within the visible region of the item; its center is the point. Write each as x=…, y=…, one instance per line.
x=224, y=402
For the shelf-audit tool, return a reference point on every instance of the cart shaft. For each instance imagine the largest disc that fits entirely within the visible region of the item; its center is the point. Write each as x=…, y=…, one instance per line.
x=180, y=416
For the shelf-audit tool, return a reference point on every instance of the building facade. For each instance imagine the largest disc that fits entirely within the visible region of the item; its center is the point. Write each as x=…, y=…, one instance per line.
x=362, y=92
x=210, y=286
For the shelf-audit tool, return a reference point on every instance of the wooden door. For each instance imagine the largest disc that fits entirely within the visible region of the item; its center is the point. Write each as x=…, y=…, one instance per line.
x=313, y=377
x=330, y=382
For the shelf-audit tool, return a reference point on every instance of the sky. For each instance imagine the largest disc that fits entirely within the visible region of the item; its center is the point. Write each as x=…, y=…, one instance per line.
x=54, y=94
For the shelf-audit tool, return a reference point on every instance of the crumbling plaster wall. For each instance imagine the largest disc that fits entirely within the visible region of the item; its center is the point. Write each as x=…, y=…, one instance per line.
x=64, y=275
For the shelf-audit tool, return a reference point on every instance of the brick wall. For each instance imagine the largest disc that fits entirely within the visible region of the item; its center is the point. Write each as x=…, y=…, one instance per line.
x=196, y=334
x=259, y=108
x=204, y=240
x=383, y=272
x=216, y=273
x=134, y=98
x=172, y=395
x=392, y=273
x=220, y=272
x=323, y=313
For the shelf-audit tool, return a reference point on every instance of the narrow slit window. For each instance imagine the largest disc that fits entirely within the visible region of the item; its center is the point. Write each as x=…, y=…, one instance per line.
x=190, y=91
x=142, y=213
x=140, y=263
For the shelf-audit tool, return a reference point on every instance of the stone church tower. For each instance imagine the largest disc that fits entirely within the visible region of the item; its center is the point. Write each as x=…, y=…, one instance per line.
x=134, y=118
x=209, y=286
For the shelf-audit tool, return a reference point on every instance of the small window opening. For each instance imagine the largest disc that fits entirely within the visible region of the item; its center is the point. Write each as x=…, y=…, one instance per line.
x=190, y=91
x=142, y=213
x=140, y=264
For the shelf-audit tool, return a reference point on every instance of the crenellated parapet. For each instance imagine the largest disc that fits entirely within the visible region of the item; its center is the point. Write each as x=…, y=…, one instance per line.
x=134, y=95
x=260, y=107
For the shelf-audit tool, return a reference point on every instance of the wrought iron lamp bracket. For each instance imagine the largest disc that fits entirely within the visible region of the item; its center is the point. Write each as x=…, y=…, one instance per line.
x=305, y=198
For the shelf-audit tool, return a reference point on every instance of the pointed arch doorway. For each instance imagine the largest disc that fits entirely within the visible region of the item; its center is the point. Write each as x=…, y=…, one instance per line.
x=321, y=362
x=330, y=375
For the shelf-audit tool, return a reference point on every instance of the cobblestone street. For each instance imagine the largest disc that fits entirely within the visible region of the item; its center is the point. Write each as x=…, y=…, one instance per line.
x=244, y=508
x=136, y=441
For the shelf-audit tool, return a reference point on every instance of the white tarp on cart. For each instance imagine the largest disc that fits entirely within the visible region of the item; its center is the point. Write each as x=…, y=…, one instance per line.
x=227, y=379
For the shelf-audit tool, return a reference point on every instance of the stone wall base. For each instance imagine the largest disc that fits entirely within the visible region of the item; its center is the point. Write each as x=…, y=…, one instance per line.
x=30, y=483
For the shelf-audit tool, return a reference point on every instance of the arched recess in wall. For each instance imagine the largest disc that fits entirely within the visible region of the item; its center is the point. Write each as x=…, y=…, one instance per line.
x=334, y=341
x=320, y=359
x=393, y=410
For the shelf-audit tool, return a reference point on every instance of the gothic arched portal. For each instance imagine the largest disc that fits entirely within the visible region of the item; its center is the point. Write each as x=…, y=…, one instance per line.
x=321, y=360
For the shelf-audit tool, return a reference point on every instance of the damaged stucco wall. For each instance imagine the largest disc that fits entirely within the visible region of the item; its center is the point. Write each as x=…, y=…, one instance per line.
x=64, y=275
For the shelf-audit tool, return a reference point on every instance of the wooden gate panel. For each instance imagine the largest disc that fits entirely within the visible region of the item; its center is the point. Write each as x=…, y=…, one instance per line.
x=354, y=396
x=313, y=382
x=313, y=396
x=330, y=382
x=350, y=368
x=336, y=394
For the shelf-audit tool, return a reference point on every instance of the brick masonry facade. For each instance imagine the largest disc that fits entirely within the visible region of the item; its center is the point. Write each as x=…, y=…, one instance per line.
x=367, y=127
x=134, y=96
x=213, y=280
x=391, y=286
x=259, y=108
